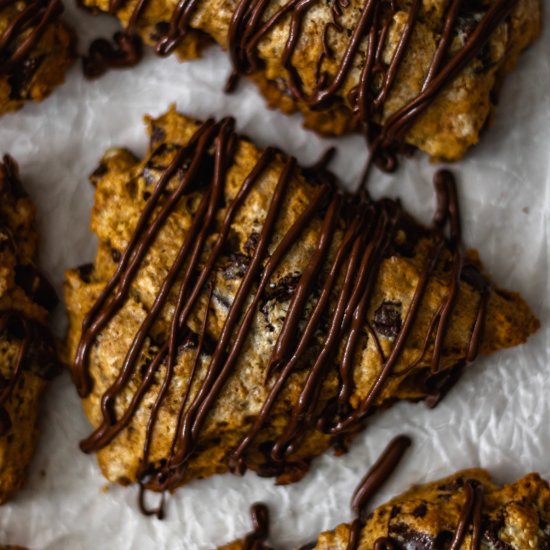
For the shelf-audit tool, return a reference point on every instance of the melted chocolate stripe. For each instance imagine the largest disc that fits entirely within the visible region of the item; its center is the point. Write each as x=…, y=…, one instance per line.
x=339, y=289
x=260, y=522
x=369, y=486
x=470, y=515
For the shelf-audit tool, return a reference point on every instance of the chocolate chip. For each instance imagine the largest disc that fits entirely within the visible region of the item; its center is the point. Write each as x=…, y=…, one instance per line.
x=236, y=266
x=190, y=341
x=158, y=135
x=115, y=255
x=452, y=486
x=251, y=244
x=409, y=539
x=9, y=179
x=387, y=319
x=41, y=359
x=22, y=76
x=395, y=511
x=420, y=511
x=283, y=290
x=85, y=272
x=161, y=29
x=471, y=274
x=36, y=286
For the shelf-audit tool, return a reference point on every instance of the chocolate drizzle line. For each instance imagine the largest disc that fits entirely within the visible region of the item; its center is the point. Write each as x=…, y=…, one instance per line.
x=368, y=39
x=31, y=22
x=470, y=515
x=255, y=540
x=370, y=484
x=340, y=298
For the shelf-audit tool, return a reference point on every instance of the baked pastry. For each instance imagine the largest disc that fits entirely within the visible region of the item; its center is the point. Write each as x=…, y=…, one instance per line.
x=423, y=72
x=464, y=511
x=36, y=49
x=243, y=313
x=27, y=351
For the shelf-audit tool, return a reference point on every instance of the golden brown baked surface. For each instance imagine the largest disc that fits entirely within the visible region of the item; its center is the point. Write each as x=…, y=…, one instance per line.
x=125, y=186
x=514, y=517
x=27, y=355
x=33, y=57
x=445, y=130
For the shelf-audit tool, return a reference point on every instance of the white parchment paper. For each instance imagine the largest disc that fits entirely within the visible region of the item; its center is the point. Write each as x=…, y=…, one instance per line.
x=498, y=416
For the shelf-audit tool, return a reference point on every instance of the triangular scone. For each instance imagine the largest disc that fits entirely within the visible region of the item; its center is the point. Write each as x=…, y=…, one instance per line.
x=27, y=351
x=359, y=279
x=513, y=517
x=424, y=72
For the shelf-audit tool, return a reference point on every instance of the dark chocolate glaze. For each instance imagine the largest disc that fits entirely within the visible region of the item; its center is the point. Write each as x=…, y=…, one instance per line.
x=256, y=539
x=24, y=31
x=370, y=484
x=470, y=516
x=340, y=297
x=367, y=100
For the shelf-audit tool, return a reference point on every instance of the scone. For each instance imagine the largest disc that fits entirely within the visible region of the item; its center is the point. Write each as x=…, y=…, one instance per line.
x=420, y=72
x=36, y=49
x=27, y=351
x=242, y=312
x=464, y=511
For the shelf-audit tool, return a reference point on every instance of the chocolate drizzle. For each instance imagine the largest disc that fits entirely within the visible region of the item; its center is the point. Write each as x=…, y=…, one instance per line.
x=370, y=484
x=340, y=298
x=253, y=20
x=255, y=540
x=25, y=30
x=470, y=516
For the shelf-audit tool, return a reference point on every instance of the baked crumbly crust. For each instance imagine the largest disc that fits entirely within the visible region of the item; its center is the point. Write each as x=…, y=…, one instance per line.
x=32, y=76
x=124, y=185
x=25, y=301
x=514, y=517
x=445, y=130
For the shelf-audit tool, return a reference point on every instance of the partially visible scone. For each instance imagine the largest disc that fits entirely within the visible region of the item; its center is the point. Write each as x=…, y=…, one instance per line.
x=36, y=49
x=456, y=510
x=512, y=517
x=243, y=313
x=425, y=72
x=27, y=351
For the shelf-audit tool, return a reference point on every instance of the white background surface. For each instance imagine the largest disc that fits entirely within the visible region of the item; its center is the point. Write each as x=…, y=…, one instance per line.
x=496, y=417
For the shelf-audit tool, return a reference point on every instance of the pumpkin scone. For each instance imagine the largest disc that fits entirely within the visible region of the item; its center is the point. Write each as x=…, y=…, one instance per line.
x=466, y=511
x=27, y=350
x=418, y=72
x=242, y=312
x=36, y=49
